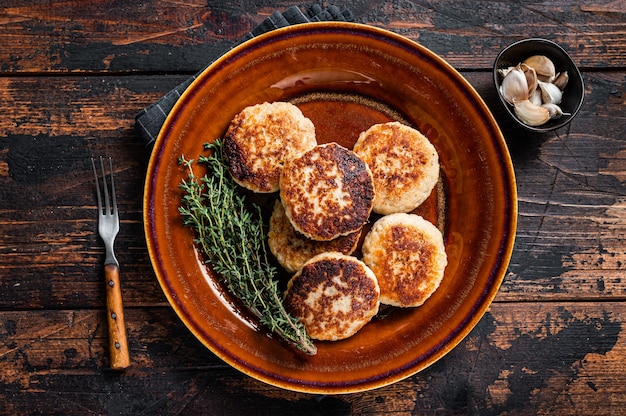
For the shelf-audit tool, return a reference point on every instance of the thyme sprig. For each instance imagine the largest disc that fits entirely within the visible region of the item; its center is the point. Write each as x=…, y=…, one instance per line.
x=232, y=237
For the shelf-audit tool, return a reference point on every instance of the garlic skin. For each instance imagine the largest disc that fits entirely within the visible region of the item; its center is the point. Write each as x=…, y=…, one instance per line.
x=514, y=86
x=543, y=66
x=561, y=80
x=505, y=71
x=550, y=93
x=531, y=114
x=531, y=77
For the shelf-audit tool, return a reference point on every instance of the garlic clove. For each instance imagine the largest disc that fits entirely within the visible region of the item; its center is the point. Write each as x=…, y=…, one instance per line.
x=554, y=110
x=531, y=114
x=514, y=86
x=543, y=66
x=535, y=97
x=550, y=93
x=561, y=80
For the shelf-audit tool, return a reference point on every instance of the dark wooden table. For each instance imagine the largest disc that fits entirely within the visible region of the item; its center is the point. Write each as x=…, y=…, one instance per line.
x=74, y=75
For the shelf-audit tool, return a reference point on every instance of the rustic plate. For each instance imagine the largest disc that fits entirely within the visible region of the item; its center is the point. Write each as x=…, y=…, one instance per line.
x=345, y=77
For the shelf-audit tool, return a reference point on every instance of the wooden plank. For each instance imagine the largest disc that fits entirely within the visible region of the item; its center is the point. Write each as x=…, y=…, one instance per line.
x=49, y=250
x=571, y=193
x=110, y=36
x=531, y=358
x=571, y=185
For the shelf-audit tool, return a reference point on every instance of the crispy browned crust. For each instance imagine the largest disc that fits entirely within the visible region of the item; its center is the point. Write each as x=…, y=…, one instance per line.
x=404, y=165
x=293, y=249
x=261, y=139
x=333, y=296
x=327, y=192
x=407, y=255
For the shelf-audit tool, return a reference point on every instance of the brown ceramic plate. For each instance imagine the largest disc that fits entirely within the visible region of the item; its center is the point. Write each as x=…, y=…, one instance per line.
x=345, y=77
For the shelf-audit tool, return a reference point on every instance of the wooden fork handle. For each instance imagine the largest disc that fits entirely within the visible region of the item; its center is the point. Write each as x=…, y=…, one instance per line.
x=118, y=345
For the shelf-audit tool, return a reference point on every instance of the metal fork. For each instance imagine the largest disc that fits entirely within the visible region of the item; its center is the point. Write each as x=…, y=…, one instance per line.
x=108, y=227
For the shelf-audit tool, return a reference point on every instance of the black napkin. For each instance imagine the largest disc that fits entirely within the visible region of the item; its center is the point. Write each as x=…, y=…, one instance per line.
x=150, y=120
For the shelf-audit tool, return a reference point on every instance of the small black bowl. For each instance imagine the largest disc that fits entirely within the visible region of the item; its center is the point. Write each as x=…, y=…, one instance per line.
x=573, y=94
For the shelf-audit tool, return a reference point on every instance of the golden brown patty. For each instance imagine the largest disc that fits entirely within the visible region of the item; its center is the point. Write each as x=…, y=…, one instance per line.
x=333, y=295
x=292, y=249
x=327, y=192
x=407, y=255
x=261, y=139
x=404, y=164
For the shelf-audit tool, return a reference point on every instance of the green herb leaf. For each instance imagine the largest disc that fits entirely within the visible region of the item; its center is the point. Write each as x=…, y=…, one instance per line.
x=232, y=237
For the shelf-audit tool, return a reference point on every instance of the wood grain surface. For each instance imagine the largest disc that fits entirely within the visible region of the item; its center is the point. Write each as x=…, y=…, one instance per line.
x=74, y=74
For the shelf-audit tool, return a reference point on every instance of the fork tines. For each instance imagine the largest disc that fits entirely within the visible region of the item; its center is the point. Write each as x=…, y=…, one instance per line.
x=108, y=203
